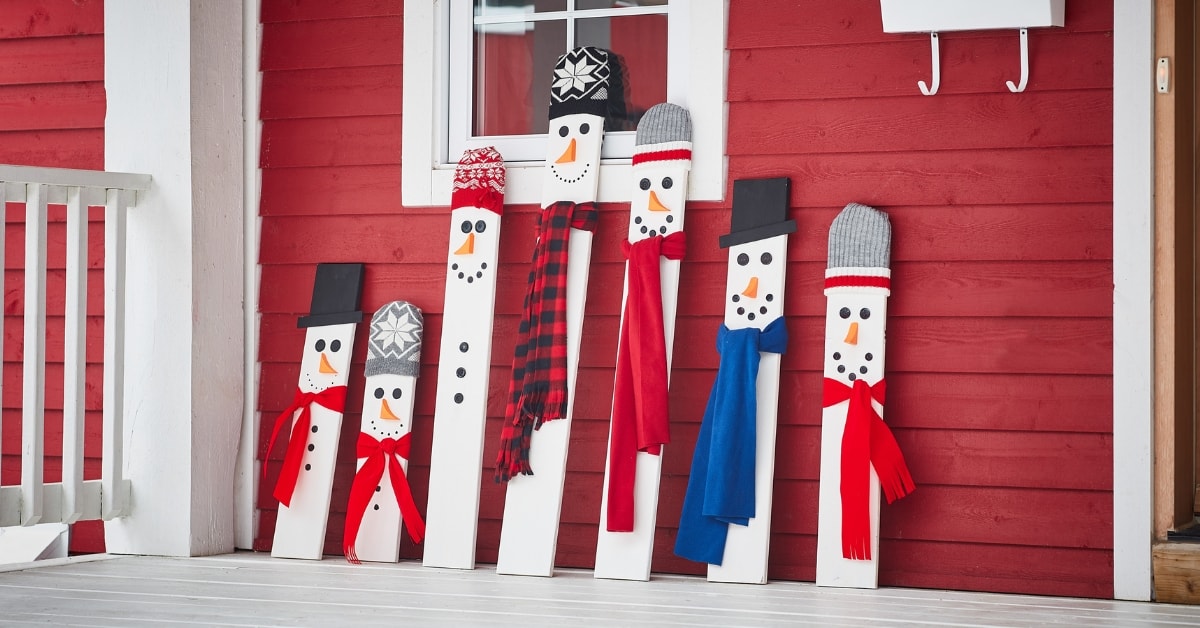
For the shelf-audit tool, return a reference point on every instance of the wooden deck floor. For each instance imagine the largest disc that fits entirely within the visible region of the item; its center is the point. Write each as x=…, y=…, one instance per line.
x=247, y=589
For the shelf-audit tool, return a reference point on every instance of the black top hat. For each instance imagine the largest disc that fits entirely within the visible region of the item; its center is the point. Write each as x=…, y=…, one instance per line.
x=760, y=209
x=335, y=297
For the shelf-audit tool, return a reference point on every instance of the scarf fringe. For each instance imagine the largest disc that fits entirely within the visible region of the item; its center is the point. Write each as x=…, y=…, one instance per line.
x=351, y=555
x=896, y=481
x=513, y=459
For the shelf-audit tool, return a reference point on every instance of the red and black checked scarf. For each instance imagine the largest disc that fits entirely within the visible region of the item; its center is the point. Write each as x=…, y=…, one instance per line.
x=640, y=408
x=538, y=390
x=380, y=455
x=333, y=398
x=866, y=442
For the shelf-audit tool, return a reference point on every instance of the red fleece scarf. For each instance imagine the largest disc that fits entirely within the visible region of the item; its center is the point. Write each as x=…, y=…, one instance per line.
x=333, y=398
x=640, y=404
x=866, y=441
x=538, y=389
x=380, y=454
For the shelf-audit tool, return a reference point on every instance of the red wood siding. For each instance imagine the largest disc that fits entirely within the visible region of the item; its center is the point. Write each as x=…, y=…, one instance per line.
x=1001, y=332
x=52, y=114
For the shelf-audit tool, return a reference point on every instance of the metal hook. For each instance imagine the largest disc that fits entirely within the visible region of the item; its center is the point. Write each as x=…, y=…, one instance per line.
x=937, y=67
x=1024, y=64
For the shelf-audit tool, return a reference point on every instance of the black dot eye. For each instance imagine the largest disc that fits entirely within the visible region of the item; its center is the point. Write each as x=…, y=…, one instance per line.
x=379, y=393
x=667, y=183
x=562, y=131
x=320, y=346
x=864, y=313
x=584, y=128
x=466, y=226
x=335, y=346
x=396, y=393
x=644, y=184
x=765, y=259
x=480, y=226
x=743, y=259
x=844, y=312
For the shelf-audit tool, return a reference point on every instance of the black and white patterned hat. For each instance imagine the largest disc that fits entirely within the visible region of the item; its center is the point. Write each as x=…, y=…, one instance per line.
x=394, y=347
x=587, y=80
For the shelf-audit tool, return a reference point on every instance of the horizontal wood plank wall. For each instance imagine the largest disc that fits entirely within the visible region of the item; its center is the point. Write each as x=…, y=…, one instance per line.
x=52, y=114
x=1001, y=317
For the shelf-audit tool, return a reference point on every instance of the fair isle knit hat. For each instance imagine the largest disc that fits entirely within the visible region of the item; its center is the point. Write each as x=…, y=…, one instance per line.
x=860, y=247
x=394, y=346
x=664, y=135
x=588, y=80
x=479, y=180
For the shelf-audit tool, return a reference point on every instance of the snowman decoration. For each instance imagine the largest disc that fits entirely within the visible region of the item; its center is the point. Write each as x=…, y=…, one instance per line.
x=464, y=360
x=586, y=90
x=726, y=518
x=306, y=479
x=639, y=428
x=380, y=497
x=859, y=454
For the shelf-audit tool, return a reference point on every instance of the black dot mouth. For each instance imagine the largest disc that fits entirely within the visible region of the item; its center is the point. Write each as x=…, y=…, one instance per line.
x=566, y=179
x=468, y=277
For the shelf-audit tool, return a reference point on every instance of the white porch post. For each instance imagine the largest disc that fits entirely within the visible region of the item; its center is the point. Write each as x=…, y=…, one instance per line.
x=1133, y=297
x=173, y=80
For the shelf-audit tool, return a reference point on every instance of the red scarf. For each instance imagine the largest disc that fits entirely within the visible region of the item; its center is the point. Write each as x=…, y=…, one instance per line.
x=640, y=404
x=538, y=389
x=333, y=398
x=866, y=441
x=380, y=454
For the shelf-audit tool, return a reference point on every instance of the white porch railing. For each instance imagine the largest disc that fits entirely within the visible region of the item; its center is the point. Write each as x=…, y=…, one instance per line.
x=73, y=499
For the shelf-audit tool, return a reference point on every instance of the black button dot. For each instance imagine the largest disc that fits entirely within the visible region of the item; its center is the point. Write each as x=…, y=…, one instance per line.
x=378, y=488
x=462, y=347
x=308, y=467
x=461, y=372
x=458, y=397
x=311, y=446
x=314, y=429
x=376, y=506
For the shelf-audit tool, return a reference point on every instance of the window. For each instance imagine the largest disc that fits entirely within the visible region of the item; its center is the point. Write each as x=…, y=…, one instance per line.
x=477, y=72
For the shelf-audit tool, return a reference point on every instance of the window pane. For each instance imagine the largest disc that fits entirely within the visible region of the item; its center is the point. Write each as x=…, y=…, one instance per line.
x=618, y=4
x=641, y=43
x=493, y=8
x=513, y=67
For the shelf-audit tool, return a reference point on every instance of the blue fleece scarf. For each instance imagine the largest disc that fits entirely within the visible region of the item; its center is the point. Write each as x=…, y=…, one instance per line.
x=721, y=485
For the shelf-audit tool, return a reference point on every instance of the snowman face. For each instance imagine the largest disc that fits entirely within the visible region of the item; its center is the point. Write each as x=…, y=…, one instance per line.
x=473, y=242
x=326, y=358
x=387, y=405
x=755, y=283
x=572, y=157
x=660, y=190
x=854, y=335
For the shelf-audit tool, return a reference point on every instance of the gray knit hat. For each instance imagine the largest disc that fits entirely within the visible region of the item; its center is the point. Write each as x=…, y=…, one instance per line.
x=394, y=347
x=664, y=134
x=860, y=247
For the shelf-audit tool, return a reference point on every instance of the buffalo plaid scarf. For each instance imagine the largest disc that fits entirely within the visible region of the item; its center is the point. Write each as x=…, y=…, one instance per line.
x=538, y=390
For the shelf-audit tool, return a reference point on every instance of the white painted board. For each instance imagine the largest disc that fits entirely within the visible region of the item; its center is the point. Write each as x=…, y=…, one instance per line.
x=460, y=416
x=300, y=527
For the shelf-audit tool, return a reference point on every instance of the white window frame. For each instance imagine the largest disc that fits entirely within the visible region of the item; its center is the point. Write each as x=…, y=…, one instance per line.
x=696, y=81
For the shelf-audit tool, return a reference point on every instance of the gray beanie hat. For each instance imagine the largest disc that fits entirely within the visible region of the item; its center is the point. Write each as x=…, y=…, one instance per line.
x=394, y=346
x=664, y=134
x=860, y=237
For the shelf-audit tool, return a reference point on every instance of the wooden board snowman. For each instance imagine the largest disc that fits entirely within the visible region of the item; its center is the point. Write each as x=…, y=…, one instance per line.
x=726, y=518
x=315, y=415
x=859, y=454
x=640, y=417
x=476, y=202
x=585, y=90
x=381, y=499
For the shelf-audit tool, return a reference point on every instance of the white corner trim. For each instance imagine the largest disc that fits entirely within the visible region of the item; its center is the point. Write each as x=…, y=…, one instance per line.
x=425, y=180
x=1133, y=297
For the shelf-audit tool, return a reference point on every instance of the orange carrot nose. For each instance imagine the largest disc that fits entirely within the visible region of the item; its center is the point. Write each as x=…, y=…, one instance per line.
x=385, y=412
x=568, y=155
x=467, y=247
x=655, y=204
x=326, y=367
x=852, y=334
x=751, y=290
